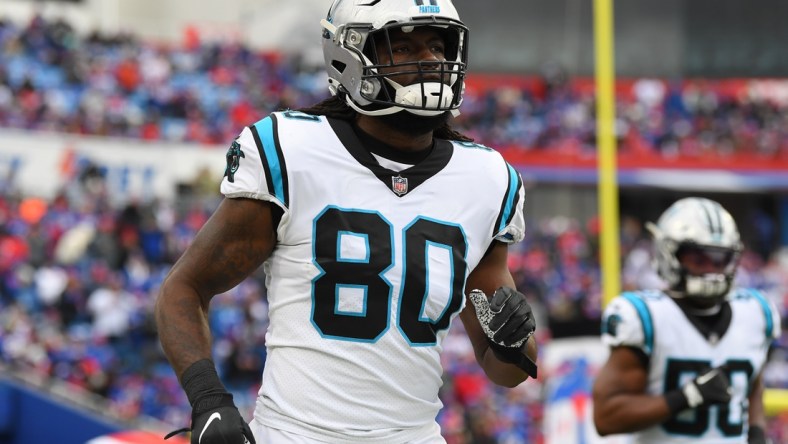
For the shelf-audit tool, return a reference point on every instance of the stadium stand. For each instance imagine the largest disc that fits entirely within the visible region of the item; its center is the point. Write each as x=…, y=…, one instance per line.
x=53, y=79
x=75, y=306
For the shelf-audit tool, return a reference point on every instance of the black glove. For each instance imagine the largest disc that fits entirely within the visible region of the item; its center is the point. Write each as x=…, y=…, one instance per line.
x=708, y=388
x=756, y=435
x=508, y=322
x=215, y=418
x=221, y=425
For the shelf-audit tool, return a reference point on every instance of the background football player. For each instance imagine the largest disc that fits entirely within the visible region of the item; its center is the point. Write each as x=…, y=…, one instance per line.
x=685, y=363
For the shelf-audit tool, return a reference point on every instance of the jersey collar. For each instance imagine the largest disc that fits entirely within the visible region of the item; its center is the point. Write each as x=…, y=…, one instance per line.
x=399, y=182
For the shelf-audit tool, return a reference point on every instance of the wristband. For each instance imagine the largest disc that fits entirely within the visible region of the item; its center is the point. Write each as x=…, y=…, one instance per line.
x=514, y=356
x=203, y=388
x=676, y=400
x=756, y=435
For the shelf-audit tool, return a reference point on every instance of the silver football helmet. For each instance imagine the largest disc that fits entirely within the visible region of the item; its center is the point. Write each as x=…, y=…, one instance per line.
x=350, y=33
x=702, y=225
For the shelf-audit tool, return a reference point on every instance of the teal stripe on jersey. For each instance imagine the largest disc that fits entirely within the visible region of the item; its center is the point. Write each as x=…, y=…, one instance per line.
x=509, y=207
x=767, y=312
x=265, y=129
x=645, y=319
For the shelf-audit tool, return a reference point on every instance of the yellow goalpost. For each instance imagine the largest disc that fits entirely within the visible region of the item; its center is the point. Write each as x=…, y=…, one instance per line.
x=606, y=149
x=775, y=400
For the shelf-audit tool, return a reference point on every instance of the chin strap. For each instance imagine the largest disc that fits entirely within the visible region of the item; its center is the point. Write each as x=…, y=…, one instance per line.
x=708, y=285
x=390, y=110
x=374, y=113
x=435, y=95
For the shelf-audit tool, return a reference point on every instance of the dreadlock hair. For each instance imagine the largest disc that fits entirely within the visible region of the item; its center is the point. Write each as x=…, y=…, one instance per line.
x=336, y=108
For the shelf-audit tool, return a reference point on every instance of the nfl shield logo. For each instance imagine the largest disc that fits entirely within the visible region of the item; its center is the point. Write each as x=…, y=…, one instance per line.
x=399, y=185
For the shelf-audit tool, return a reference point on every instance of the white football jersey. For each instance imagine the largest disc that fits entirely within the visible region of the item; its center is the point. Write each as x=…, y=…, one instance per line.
x=368, y=272
x=652, y=322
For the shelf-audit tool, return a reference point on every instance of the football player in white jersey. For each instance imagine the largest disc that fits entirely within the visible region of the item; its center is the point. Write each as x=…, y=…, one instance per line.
x=374, y=221
x=685, y=363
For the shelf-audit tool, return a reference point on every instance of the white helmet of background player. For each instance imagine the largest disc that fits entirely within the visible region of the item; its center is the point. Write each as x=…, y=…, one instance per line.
x=350, y=33
x=702, y=225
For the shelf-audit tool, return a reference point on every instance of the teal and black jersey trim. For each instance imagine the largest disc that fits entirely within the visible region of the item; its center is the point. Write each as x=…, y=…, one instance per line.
x=645, y=319
x=767, y=312
x=510, y=200
x=266, y=137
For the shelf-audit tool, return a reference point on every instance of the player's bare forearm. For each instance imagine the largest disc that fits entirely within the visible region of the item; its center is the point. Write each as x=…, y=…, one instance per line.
x=182, y=326
x=621, y=404
x=756, y=413
x=626, y=413
x=231, y=245
x=489, y=275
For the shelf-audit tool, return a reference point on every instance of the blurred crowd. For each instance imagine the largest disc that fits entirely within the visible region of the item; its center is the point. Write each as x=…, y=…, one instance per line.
x=78, y=280
x=53, y=79
x=79, y=277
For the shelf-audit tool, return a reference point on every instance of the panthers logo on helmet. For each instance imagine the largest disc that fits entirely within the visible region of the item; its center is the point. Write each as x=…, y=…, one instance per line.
x=431, y=8
x=233, y=156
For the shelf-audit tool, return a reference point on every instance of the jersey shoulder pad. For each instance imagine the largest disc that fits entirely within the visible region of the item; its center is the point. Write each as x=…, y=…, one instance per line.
x=482, y=160
x=627, y=321
x=761, y=304
x=474, y=146
x=510, y=224
x=256, y=167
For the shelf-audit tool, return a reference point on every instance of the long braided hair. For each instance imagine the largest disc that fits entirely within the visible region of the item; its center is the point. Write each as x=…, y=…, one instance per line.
x=336, y=108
